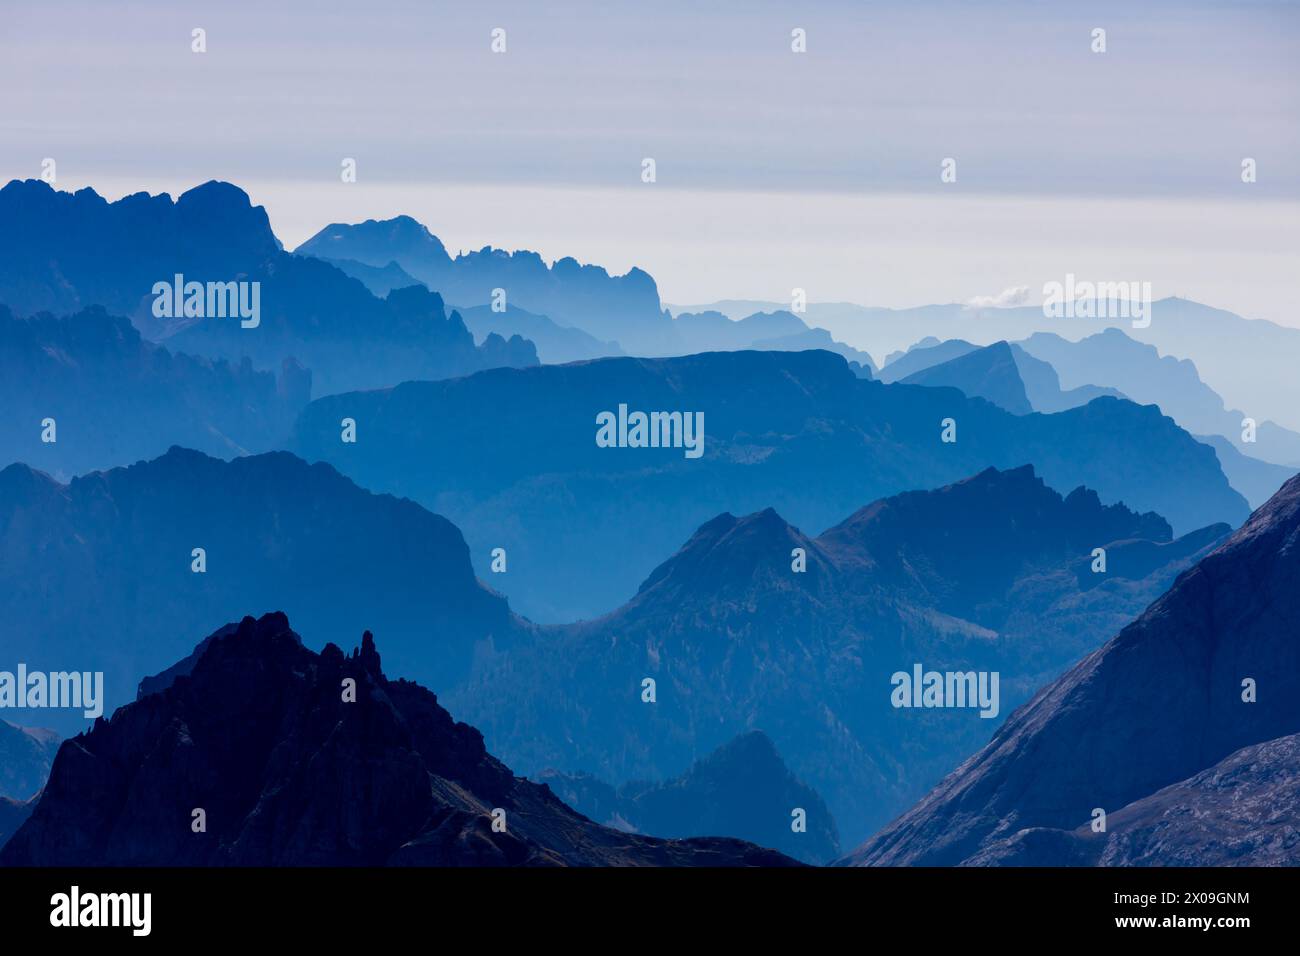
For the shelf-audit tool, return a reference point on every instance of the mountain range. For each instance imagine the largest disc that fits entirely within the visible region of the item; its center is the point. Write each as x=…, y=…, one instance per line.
x=63, y=252
x=98, y=574
x=1250, y=362
x=992, y=574
x=1181, y=730
x=269, y=754
x=1012, y=378
x=610, y=308
x=114, y=397
x=583, y=525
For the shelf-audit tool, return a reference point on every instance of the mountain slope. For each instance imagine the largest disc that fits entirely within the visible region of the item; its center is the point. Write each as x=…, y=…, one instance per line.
x=797, y=431
x=1162, y=701
x=991, y=574
x=99, y=571
x=287, y=772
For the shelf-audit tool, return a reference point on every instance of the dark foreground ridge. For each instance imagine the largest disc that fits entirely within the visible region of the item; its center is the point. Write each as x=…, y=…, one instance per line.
x=259, y=737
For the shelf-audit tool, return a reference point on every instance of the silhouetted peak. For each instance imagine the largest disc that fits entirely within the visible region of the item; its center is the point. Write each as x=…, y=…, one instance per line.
x=369, y=656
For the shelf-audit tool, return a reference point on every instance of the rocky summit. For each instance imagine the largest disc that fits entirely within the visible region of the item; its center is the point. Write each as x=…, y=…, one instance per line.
x=266, y=753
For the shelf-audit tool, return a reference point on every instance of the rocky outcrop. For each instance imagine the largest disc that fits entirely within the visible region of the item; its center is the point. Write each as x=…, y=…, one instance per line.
x=269, y=754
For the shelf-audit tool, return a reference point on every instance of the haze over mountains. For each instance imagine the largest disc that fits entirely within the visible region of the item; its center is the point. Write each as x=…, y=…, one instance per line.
x=1181, y=728
x=990, y=574
x=583, y=525
x=622, y=308
x=1012, y=378
x=981, y=475
x=98, y=573
x=1250, y=362
x=287, y=772
x=63, y=252
x=115, y=398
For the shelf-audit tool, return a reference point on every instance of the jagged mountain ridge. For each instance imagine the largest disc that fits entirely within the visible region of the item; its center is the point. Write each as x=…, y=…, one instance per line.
x=287, y=772
x=797, y=431
x=993, y=573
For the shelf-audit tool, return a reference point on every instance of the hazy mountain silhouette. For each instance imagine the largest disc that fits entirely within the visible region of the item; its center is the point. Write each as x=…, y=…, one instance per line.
x=989, y=373
x=287, y=772
x=98, y=573
x=380, y=280
x=1256, y=480
x=1251, y=362
x=1012, y=378
x=1144, y=375
x=555, y=343
x=610, y=308
x=927, y=353
x=1002, y=373
x=779, y=330
x=743, y=789
x=981, y=575
x=25, y=756
x=1161, y=705
x=62, y=252
x=116, y=398
x=583, y=525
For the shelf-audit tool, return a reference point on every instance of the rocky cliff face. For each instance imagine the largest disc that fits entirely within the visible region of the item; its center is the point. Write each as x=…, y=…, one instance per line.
x=1210, y=668
x=289, y=757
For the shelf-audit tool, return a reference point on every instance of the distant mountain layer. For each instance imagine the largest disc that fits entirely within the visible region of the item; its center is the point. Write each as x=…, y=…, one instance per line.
x=112, y=397
x=25, y=756
x=1012, y=378
x=556, y=344
x=767, y=331
x=992, y=574
x=1150, y=730
x=743, y=789
x=1139, y=371
x=1248, y=361
x=1256, y=480
x=989, y=373
x=269, y=754
x=610, y=308
x=98, y=574
x=1003, y=373
x=63, y=252
x=584, y=524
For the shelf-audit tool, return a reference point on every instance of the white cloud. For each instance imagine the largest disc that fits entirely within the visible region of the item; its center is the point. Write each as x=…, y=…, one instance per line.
x=1007, y=298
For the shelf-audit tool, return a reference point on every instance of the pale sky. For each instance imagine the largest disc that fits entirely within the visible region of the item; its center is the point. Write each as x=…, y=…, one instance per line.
x=775, y=170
